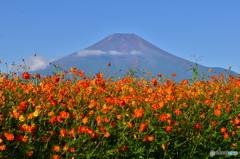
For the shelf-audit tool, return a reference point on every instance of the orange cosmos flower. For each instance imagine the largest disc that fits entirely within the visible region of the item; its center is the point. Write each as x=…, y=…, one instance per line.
x=82, y=129
x=56, y=157
x=26, y=75
x=25, y=139
x=155, y=106
x=236, y=121
x=233, y=133
x=168, y=129
x=208, y=102
x=16, y=114
x=164, y=117
x=143, y=127
x=106, y=120
x=119, y=117
x=184, y=82
x=130, y=124
x=63, y=132
x=30, y=153
x=138, y=113
x=50, y=113
x=65, y=148
x=148, y=73
x=154, y=82
x=64, y=115
x=150, y=138
x=85, y=120
x=9, y=136
x=3, y=147
x=56, y=78
x=197, y=126
x=71, y=149
x=225, y=136
x=176, y=124
x=169, y=121
x=56, y=148
x=73, y=69
x=223, y=129
x=173, y=74
x=51, y=132
x=178, y=111
x=161, y=104
x=102, y=129
x=214, y=123
x=217, y=112
x=107, y=134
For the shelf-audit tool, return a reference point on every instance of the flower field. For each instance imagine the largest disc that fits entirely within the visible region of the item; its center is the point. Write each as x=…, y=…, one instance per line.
x=52, y=117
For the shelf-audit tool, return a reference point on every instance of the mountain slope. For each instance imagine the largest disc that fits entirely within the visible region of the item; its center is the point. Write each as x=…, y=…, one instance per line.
x=122, y=50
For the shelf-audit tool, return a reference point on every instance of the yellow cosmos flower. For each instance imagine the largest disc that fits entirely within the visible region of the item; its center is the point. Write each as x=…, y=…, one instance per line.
x=22, y=118
x=36, y=113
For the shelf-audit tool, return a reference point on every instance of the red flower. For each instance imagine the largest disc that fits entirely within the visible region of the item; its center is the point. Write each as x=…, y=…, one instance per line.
x=173, y=74
x=197, y=126
x=168, y=129
x=225, y=136
x=26, y=75
x=9, y=136
x=124, y=148
x=53, y=120
x=23, y=105
x=38, y=76
x=56, y=78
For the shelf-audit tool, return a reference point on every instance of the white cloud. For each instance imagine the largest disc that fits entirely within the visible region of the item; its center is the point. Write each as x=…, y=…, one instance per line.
x=99, y=52
x=36, y=63
x=90, y=52
x=112, y=52
x=135, y=52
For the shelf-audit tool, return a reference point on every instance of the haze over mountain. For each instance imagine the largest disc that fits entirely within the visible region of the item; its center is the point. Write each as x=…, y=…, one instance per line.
x=123, y=51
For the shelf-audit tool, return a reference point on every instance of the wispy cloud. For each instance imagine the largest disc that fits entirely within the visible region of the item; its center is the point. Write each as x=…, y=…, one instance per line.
x=90, y=52
x=99, y=52
x=135, y=52
x=112, y=52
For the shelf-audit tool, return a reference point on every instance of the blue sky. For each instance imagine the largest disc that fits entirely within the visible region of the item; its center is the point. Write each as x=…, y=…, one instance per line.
x=56, y=28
